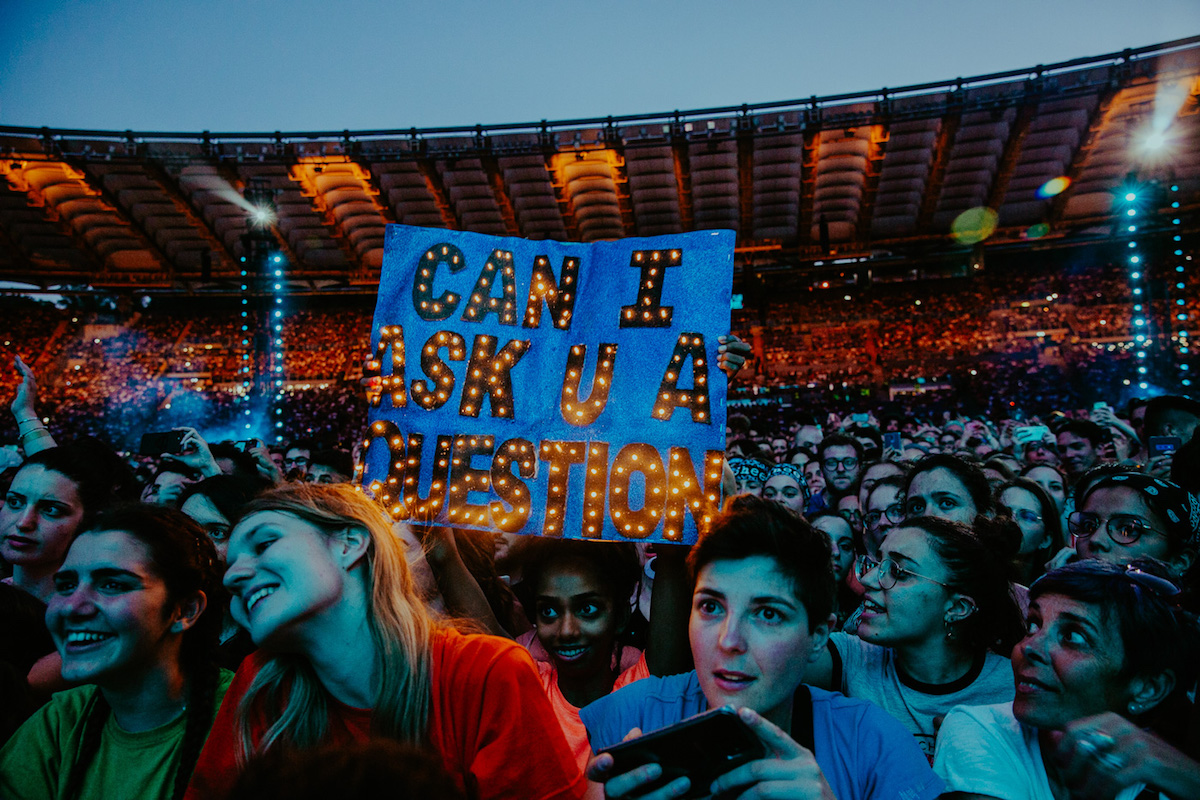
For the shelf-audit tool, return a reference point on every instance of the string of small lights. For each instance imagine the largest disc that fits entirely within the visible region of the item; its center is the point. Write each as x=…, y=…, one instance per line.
x=1141, y=322
x=262, y=357
x=1177, y=314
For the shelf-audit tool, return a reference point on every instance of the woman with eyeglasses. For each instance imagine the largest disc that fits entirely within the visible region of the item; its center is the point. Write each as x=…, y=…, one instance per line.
x=883, y=511
x=1102, y=675
x=1129, y=515
x=937, y=613
x=1036, y=515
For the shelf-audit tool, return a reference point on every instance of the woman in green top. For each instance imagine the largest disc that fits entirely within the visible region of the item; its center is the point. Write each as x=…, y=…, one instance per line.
x=128, y=618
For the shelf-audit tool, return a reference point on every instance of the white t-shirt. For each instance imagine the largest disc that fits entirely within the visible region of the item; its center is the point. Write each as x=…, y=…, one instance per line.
x=869, y=672
x=985, y=750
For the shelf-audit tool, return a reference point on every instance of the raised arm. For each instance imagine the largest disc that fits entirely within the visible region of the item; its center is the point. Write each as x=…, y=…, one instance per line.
x=34, y=436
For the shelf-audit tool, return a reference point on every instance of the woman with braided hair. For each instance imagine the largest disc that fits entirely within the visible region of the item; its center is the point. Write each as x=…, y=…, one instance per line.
x=128, y=618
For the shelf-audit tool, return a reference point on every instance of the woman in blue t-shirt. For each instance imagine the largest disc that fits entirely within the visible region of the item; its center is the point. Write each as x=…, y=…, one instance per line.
x=761, y=611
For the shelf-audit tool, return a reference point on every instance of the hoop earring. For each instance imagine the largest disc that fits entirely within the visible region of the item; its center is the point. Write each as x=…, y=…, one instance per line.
x=951, y=634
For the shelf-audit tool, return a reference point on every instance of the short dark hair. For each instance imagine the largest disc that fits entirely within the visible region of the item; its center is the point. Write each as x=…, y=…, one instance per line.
x=337, y=460
x=868, y=432
x=1084, y=429
x=228, y=493
x=1161, y=409
x=750, y=526
x=353, y=770
x=100, y=476
x=840, y=440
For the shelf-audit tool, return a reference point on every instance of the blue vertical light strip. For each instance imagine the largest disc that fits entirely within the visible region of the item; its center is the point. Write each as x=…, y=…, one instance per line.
x=278, y=291
x=1140, y=327
x=1177, y=316
x=242, y=397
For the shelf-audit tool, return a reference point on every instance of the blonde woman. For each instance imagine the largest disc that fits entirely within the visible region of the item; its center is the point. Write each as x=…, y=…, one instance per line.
x=348, y=653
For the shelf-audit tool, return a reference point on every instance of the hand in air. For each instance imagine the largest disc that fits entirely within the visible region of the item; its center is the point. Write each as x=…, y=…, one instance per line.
x=732, y=354
x=194, y=453
x=24, y=405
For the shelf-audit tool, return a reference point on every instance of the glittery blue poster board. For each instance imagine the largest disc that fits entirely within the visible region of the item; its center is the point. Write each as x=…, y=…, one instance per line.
x=550, y=388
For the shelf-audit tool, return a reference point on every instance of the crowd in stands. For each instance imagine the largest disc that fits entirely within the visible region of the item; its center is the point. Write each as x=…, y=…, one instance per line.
x=951, y=560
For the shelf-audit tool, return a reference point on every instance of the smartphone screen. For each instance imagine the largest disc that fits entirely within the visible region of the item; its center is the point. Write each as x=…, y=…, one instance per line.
x=158, y=442
x=1164, y=445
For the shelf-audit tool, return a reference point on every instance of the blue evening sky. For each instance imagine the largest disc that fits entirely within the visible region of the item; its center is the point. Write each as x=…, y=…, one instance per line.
x=190, y=65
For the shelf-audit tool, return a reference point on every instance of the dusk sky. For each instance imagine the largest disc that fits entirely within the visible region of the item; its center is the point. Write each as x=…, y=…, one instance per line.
x=169, y=65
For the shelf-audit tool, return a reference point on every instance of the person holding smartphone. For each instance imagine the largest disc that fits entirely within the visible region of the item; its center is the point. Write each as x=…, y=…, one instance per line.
x=761, y=612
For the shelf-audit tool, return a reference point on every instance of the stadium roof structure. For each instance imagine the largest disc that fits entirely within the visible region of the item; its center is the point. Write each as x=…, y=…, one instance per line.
x=888, y=170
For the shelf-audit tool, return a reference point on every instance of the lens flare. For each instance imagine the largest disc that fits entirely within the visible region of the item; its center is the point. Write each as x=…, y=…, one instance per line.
x=974, y=225
x=1037, y=231
x=1054, y=186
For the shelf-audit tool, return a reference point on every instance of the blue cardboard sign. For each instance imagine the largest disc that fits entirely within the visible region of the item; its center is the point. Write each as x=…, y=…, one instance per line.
x=550, y=388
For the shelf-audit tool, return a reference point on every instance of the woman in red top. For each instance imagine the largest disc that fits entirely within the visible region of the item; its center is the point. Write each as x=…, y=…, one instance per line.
x=349, y=653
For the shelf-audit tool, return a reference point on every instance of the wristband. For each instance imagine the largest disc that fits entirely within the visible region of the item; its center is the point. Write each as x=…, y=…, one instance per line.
x=28, y=419
x=31, y=433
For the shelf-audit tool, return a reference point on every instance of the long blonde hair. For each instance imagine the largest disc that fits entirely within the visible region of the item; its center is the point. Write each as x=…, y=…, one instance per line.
x=286, y=692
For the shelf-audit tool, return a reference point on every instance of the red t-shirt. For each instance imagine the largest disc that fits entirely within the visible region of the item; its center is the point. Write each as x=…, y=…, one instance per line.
x=489, y=721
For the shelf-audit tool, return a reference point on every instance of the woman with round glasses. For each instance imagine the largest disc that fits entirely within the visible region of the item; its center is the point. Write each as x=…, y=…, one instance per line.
x=936, y=614
x=1101, y=673
x=1036, y=515
x=1129, y=515
x=883, y=511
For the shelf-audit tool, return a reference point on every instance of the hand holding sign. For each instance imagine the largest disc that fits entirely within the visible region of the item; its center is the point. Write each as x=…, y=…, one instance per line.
x=591, y=411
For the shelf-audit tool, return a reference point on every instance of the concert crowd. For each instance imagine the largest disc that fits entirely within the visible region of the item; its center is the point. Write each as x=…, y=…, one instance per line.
x=982, y=584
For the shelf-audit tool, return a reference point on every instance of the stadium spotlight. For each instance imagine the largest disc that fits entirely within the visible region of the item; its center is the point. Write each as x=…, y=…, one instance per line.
x=1154, y=141
x=262, y=216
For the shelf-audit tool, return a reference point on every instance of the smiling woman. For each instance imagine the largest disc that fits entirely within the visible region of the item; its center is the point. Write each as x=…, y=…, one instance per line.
x=578, y=596
x=348, y=651
x=128, y=618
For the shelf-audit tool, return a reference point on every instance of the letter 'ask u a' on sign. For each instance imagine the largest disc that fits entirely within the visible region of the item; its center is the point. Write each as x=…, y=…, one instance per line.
x=550, y=388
